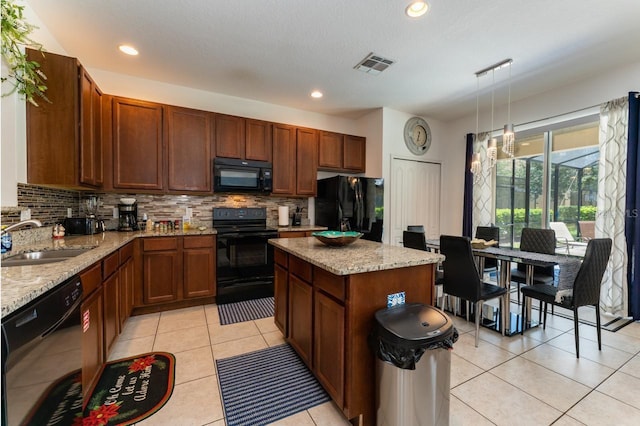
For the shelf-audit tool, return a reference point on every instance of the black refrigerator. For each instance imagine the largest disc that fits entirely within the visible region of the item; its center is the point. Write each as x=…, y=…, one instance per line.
x=351, y=203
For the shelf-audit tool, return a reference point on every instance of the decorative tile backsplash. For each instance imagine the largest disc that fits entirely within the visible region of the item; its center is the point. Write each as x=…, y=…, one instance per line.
x=49, y=205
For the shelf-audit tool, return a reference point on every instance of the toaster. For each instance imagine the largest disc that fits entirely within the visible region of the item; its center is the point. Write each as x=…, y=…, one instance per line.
x=83, y=226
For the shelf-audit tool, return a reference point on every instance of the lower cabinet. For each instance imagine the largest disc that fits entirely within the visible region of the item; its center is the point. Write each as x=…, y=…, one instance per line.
x=281, y=292
x=178, y=268
x=92, y=338
x=328, y=351
x=126, y=280
x=300, y=317
x=162, y=269
x=111, y=315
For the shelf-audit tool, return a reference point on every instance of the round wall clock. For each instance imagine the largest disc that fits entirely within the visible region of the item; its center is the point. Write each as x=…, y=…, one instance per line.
x=417, y=135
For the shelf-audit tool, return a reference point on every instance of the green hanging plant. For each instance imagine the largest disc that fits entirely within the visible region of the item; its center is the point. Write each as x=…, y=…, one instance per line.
x=24, y=75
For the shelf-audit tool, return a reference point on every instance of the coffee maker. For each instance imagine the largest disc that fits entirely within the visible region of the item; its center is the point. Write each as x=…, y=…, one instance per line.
x=128, y=217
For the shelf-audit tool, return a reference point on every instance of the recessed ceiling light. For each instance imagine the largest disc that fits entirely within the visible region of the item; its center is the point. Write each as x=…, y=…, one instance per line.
x=316, y=94
x=129, y=50
x=416, y=9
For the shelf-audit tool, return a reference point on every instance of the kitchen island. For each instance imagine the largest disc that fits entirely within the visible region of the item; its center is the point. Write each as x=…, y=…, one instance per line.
x=325, y=300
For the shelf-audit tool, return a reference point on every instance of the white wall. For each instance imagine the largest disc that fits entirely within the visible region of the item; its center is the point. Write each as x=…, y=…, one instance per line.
x=576, y=98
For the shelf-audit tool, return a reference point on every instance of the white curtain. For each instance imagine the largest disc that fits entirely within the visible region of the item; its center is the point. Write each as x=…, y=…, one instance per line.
x=483, y=204
x=610, y=214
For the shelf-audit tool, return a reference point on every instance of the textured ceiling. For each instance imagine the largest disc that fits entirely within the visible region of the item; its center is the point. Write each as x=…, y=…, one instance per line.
x=277, y=51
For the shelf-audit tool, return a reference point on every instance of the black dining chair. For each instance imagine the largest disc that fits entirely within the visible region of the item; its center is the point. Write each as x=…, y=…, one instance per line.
x=416, y=240
x=489, y=233
x=537, y=241
x=415, y=228
x=461, y=278
x=586, y=288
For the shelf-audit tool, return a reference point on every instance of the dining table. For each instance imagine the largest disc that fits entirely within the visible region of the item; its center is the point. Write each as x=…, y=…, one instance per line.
x=568, y=267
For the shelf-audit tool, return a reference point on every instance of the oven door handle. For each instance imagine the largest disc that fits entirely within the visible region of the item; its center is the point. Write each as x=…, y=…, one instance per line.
x=248, y=235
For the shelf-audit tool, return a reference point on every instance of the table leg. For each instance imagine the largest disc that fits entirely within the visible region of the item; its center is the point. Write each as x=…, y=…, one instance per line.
x=529, y=281
x=505, y=281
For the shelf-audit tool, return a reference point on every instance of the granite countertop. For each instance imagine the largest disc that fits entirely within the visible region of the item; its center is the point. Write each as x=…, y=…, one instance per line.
x=22, y=284
x=358, y=257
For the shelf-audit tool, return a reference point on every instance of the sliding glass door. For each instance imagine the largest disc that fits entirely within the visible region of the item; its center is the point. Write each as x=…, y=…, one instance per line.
x=554, y=170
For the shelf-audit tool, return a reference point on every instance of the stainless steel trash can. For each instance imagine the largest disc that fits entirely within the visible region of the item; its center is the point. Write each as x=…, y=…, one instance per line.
x=413, y=367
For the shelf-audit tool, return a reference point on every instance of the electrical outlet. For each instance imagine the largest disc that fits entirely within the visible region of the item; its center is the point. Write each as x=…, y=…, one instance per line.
x=69, y=212
x=25, y=214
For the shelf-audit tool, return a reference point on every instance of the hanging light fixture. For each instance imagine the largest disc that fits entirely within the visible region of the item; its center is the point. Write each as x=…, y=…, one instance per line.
x=509, y=137
x=476, y=165
x=492, y=146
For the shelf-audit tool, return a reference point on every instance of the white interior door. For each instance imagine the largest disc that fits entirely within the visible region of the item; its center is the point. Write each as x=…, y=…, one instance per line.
x=415, y=197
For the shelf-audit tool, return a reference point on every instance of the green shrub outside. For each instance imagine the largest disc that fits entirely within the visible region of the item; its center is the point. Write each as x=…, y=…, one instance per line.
x=565, y=214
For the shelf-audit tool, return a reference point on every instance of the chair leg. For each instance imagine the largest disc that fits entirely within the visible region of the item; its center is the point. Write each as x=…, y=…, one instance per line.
x=467, y=308
x=522, y=315
x=544, y=324
x=540, y=312
x=518, y=286
x=575, y=328
x=504, y=304
x=478, y=306
x=598, y=326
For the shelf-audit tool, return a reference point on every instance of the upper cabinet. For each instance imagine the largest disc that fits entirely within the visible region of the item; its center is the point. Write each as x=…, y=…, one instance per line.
x=295, y=161
x=64, y=143
x=342, y=153
x=189, y=149
x=243, y=138
x=137, y=144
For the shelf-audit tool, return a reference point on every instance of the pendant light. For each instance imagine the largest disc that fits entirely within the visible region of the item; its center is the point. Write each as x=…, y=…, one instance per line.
x=509, y=137
x=492, y=146
x=476, y=165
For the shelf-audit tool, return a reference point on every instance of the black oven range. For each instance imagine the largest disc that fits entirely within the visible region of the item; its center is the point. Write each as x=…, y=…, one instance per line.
x=244, y=265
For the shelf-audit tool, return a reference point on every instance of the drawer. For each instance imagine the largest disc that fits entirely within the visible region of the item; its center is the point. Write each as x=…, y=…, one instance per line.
x=110, y=264
x=329, y=283
x=281, y=258
x=158, y=244
x=198, y=242
x=91, y=279
x=126, y=252
x=301, y=268
x=292, y=234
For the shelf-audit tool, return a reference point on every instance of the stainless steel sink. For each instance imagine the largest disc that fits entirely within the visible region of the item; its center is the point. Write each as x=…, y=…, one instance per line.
x=42, y=257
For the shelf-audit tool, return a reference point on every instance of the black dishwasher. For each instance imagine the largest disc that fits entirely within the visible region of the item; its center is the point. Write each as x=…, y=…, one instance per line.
x=42, y=359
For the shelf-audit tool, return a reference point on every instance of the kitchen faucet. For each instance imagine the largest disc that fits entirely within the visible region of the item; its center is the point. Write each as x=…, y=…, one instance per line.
x=22, y=224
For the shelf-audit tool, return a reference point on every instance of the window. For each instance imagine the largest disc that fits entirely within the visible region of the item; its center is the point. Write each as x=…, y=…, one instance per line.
x=554, y=169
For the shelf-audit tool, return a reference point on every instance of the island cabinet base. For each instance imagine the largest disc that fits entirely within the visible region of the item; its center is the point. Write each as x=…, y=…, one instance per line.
x=327, y=319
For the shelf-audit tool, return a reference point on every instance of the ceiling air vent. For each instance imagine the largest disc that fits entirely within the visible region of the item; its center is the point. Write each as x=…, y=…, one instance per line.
x=373, y=64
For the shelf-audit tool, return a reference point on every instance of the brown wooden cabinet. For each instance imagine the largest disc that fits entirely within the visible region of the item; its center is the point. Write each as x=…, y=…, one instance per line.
x=294, y=234
x=284, y=159
x=301, y=318
x=137, y=144
x=330, y=149
x=329, y=350
x=92, y=331
x=64, y=141
x=111, y=294
x=189, y=149
x=307, y=162
x=295, y=161
x=258, y=142
x=177, y=269
x=342, y=153
x=281, y=289
x=354, y=154
x=162, y=270
x=229, y=136
x=199, y=266
x=126, y=279
x=243, y=138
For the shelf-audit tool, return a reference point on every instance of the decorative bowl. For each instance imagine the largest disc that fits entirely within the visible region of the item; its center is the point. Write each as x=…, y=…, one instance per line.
x=127, y=201
x=337, y=238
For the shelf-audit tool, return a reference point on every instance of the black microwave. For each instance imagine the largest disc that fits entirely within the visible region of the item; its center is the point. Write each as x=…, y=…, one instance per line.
x=234, y=175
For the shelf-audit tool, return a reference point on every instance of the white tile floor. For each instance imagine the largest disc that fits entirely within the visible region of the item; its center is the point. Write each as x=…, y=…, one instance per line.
x=533, y=379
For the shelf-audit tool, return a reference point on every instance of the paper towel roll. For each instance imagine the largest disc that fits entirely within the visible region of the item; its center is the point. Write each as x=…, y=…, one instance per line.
x=283, y=216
